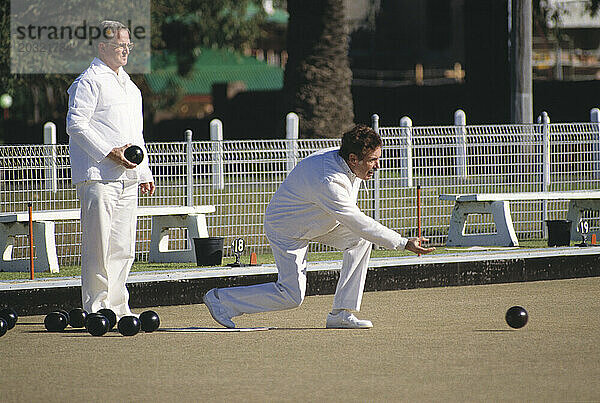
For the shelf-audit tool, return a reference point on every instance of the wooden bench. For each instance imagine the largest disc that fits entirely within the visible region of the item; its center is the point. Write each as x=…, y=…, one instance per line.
x=497, y=204
x=163, y=218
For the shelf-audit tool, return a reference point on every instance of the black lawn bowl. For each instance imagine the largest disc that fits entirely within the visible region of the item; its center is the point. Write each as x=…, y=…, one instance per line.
x=10, y=316
x=129, y=326
x=150, y=321
x=3, y=327
x=516, y=317
x=134, y=154
x=77, y=317
x=97, y=325
x=110, y=315
x=66, y=313
x=55, y=322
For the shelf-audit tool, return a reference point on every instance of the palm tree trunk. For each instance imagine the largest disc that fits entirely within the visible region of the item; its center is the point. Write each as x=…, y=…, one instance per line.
x=317, y=76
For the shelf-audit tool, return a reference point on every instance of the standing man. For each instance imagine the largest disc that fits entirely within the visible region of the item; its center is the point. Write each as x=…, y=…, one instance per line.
x=104, y=118
x=317, y=202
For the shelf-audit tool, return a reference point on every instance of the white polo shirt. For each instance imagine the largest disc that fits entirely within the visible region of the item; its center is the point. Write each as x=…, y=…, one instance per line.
x=105, y=111
x=319, y=194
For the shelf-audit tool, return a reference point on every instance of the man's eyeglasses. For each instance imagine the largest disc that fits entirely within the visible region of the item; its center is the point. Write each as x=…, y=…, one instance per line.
x=121, y=46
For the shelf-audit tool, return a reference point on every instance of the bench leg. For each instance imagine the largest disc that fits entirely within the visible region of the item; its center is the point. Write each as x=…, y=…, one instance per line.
x=575, y=212
x=7, y=242
x=500, y=210
x=44, y=241
x=159, y=237
x=45, y=245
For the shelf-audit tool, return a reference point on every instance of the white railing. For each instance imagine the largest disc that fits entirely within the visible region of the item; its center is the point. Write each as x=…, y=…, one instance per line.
x=239, y=178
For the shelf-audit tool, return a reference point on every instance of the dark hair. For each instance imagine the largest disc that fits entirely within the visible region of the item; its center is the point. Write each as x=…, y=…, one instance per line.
x=359, y=140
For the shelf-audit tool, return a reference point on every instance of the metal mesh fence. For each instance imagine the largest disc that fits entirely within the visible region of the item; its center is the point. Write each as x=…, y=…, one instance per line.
x=485, y=159
x=239, y=178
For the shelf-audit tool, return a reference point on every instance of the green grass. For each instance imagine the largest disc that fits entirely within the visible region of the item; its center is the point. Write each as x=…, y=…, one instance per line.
x=73, y=271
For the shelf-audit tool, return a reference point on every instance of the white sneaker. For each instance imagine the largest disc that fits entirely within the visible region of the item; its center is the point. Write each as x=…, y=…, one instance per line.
x=217, y=310
x=346, y=320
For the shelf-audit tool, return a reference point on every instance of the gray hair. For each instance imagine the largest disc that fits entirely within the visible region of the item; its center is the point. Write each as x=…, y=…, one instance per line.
x=110, y=28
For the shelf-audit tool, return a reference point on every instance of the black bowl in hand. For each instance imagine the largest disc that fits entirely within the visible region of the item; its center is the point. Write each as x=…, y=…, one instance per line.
x=134, y=154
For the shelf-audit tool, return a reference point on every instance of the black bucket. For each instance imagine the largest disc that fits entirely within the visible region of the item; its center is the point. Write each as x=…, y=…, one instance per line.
x=209, y=251
x=559, y=232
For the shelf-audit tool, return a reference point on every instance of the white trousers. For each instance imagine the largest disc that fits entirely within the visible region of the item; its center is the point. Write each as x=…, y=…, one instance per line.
x=290, y=289
x=108, y=226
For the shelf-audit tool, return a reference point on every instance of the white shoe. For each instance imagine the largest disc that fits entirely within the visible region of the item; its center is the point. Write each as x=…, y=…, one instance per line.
x=217, y=310
x=346, y=320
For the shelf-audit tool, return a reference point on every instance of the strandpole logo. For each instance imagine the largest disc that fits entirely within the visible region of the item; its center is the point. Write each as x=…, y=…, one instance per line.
x=61, y=37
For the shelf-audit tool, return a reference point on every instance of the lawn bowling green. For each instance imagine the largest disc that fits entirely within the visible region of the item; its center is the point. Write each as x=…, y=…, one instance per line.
x=450, y=344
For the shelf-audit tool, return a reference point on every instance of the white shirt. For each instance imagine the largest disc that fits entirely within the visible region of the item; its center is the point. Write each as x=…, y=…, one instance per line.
x=320, y=193
x=105, y=111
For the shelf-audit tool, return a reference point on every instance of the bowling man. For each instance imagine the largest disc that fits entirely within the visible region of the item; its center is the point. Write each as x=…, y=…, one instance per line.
x=318, y=202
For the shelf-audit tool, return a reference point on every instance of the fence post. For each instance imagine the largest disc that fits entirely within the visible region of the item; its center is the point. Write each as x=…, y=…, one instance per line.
x=216, y=136
x=595, y=115
x=189, y=159
x=375, y=122
x=50, y=171
x=292, y=125
x=544, y=120
x=377, y=185
x=595, y=118
x=407, y=164
x=460, y=121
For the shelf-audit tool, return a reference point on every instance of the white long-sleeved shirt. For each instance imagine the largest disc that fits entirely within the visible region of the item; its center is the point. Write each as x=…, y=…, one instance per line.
x=105, y=111
x=320, y=193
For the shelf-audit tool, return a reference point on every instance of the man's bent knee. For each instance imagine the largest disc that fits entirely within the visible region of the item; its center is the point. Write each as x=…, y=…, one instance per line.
x=291, y=298
x=359, y=243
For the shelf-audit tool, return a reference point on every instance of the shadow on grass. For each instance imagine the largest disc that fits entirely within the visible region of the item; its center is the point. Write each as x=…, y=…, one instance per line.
x=192, y=329
x=305, y=328
x=76, y=333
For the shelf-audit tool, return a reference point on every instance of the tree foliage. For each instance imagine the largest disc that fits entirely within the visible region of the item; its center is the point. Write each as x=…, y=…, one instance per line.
x=37, y=97
x=181, y=26
x=184, y=26
x=543, y=12
x=317, y=78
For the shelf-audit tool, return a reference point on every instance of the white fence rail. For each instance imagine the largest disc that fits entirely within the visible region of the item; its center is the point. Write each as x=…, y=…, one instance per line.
x=239, y=178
